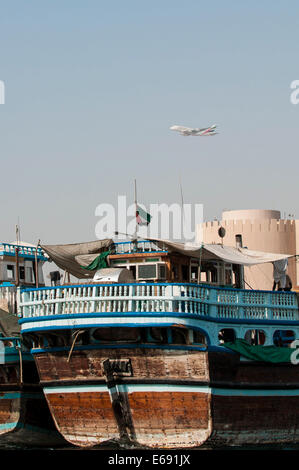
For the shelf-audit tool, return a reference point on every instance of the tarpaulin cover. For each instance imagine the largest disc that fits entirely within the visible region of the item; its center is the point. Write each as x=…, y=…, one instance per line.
x=98, y=263
x=66, y=256
x=261, y=353
x=228, y=254
x=9, y=325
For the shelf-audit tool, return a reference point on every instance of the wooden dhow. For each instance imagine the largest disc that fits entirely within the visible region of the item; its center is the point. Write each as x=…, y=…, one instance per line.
x=163, y=347
x=25, y=419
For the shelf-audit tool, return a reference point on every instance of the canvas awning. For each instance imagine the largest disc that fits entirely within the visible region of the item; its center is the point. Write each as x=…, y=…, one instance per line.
x=71, y=257
x=228, y=254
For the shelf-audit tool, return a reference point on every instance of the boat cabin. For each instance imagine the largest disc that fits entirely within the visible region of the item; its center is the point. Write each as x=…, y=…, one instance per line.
x=149, y=262
x=20, y=264
x=161, y=261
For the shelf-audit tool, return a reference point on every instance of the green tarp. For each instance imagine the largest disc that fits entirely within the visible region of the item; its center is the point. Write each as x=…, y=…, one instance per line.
x=99, y=262
x=261, y=353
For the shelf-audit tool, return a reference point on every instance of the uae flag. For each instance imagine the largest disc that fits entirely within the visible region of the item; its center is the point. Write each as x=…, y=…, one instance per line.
x=142, y=217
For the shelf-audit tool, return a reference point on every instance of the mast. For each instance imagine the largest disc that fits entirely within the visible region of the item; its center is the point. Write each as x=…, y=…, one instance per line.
x=36, y=265
x=17, y=257
x=135, y=199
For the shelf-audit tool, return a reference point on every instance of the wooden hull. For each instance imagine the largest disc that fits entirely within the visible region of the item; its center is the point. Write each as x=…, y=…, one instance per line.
x=25, y=419
x=169, y=398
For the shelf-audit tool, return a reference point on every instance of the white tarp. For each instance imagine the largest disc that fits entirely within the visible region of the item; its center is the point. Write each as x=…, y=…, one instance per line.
x=66, y=256
x=243, y=256
x=228, y=254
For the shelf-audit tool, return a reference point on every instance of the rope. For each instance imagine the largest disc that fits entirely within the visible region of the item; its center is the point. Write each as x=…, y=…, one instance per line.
x=79, y=332
x=248, y=285
x=21, y=363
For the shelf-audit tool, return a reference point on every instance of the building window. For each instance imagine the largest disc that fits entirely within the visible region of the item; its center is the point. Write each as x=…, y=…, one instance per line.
x=239, y=242
x=10, y=271
x=22, y=273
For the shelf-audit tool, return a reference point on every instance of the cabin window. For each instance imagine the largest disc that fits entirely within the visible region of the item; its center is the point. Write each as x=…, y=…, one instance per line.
x=22, y=273
x=179, y=336
x=162, y=271
x=194, y=273
x=227, y=335
x=157, y=335
x=113, y=334
x=213, y=273
x=29, y=275
x=199, y=337
x=228, y=275
x=185, y=272
x=283, y=338
x=133, y=271
x=10, y=271
x=238, y=272
x=255, y=337
x=175, y=271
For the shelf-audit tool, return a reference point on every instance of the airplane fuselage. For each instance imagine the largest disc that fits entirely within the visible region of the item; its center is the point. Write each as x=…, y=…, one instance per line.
x=187, y=131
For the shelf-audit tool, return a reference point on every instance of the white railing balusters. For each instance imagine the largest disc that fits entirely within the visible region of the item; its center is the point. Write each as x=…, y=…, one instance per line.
x=206, y=301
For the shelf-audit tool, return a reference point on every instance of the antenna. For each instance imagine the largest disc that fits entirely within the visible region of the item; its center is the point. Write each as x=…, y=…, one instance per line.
x=135, y=199
x=18, y=232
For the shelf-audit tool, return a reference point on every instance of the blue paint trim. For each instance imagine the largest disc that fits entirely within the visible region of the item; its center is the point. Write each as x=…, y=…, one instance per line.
x=10, y=426
x=22, y=255
x=192, y=316
x=124, y=346
x=20, y=394
x=117, y=325
x=21, y=425
x=15, y=359
x=109, y=314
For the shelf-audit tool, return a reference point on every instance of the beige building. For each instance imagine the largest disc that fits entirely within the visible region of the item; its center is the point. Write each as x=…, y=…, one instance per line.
x=261, y=230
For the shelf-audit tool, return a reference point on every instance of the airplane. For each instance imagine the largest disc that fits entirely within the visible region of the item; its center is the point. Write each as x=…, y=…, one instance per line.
x=186, y=131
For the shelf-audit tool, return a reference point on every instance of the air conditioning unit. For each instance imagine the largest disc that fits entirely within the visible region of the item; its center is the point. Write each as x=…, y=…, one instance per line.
x=151, y=271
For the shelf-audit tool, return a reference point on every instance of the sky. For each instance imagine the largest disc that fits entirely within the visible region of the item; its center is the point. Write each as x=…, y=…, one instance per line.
x=92, y=87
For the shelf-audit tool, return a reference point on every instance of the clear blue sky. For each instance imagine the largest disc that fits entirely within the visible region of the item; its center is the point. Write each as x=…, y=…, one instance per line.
x=92, y=88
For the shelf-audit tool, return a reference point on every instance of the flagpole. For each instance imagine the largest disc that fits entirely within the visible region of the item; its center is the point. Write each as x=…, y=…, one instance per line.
x=135, y=198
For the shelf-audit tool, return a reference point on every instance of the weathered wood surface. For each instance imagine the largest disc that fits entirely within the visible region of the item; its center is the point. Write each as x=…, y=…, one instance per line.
x=168, y=417
x=25, y=419
x=146, y=363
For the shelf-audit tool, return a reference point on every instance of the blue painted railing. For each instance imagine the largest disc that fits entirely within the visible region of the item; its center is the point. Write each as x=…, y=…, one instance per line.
x=197, y=299
x=9, y=249
x=140, y=246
